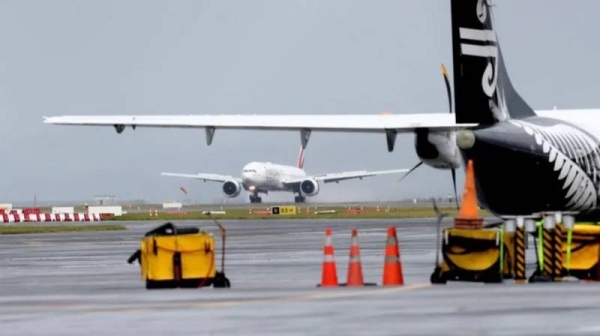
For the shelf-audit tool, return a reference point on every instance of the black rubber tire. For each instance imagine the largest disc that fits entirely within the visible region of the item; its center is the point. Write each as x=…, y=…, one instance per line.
x=221, y=281
x=437, y=277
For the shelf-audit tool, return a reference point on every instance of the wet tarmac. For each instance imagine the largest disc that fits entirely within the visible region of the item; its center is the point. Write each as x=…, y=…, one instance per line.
x=80, y=283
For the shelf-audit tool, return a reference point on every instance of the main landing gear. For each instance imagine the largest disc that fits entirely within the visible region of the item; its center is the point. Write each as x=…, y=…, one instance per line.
x=255, y=199
x=299, y=199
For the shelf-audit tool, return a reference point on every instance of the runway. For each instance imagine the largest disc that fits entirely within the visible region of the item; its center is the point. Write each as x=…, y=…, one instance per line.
x=80, y=283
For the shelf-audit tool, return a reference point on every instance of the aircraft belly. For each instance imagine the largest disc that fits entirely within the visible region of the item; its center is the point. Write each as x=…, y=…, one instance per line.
x=522, y=172
x=506, y=185
x=273, y=185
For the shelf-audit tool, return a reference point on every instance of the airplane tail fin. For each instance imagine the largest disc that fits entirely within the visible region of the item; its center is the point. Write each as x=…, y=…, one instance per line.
x=300, y=163
x=483, y=92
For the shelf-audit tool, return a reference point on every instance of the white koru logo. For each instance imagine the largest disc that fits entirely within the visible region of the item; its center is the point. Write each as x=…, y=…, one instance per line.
x=482, y=10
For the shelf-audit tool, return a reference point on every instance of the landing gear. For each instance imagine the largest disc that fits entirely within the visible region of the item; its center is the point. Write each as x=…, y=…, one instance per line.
x=299, y=199
x=255, y=199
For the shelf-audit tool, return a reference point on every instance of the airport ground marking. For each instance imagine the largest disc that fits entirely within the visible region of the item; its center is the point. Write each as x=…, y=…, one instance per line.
x=88, y=307
x=347, y=293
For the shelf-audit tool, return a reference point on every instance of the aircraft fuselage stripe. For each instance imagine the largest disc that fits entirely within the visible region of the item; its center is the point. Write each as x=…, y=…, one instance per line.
x=478, y=50
x=477, y=34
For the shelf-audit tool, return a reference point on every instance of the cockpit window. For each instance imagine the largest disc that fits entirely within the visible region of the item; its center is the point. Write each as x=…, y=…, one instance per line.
x=249, y=171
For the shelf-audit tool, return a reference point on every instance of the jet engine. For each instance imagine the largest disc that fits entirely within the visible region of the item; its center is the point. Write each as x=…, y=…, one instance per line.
x=437, y=149
x=309, y=187
x=231, y=188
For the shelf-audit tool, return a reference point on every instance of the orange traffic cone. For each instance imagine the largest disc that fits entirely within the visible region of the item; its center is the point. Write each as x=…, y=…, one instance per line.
x=329, y=275
x=392, y=268
x=355, y=276
x=468, y=217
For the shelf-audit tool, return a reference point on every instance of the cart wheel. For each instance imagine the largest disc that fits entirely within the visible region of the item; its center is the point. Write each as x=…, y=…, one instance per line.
x=437, y=277
x=221, y=281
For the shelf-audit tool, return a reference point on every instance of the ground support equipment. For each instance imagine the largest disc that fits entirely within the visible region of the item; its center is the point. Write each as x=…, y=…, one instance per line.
x=483, y=255
x=172, y=257
x=580, y=252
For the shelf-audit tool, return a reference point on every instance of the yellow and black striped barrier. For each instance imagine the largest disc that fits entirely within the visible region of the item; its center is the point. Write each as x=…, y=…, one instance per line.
x=565, y=251
x=548, y=244
x=558, y=252
x=520, y=274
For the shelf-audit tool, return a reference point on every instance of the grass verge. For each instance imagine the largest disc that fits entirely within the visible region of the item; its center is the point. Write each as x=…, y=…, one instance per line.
x=18, y=229
x=341, y=213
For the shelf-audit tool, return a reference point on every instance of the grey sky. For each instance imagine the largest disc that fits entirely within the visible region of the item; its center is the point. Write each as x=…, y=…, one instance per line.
x=196, y=57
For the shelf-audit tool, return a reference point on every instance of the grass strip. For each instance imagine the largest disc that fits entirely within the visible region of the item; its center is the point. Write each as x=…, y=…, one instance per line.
x=19, y=229
x=243, y=214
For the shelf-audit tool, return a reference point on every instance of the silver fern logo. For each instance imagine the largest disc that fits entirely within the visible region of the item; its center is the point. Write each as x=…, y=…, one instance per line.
x=500, y=110
x=575, y=157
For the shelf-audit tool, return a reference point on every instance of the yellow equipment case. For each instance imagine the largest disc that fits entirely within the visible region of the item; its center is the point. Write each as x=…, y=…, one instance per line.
x=172, y=257
x=484, y=255
x=583, y=261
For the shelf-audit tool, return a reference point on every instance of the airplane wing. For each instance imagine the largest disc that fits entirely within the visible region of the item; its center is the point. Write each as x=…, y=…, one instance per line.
x=337, y=177
x=389, y=124
x=331, y=122
x=205, y=177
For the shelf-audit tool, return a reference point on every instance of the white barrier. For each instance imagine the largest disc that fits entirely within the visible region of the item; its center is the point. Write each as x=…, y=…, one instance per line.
x=49, y=217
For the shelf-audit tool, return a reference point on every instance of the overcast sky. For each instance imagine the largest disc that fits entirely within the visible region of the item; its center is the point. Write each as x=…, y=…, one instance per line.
x=198, y=57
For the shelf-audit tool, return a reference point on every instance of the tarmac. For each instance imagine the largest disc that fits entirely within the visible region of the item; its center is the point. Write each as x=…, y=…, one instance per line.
x=81, y=284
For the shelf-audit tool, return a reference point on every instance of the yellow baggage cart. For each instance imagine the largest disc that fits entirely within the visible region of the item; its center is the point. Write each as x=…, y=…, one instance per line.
x=173, y=257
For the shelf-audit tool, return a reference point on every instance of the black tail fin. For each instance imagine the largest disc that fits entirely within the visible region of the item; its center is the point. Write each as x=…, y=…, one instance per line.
x=483, y=92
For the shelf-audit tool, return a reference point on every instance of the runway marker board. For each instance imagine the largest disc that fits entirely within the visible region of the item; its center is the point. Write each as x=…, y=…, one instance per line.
x=283, y=210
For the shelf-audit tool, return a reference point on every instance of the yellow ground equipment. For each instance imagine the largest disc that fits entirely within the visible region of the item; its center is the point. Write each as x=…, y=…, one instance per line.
x=172, y=257
x=581, y=252
x=483, y=255
x=567, y=255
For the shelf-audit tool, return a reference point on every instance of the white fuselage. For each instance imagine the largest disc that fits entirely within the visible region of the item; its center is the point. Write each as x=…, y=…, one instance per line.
x=267, y=176
x=588, y=119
